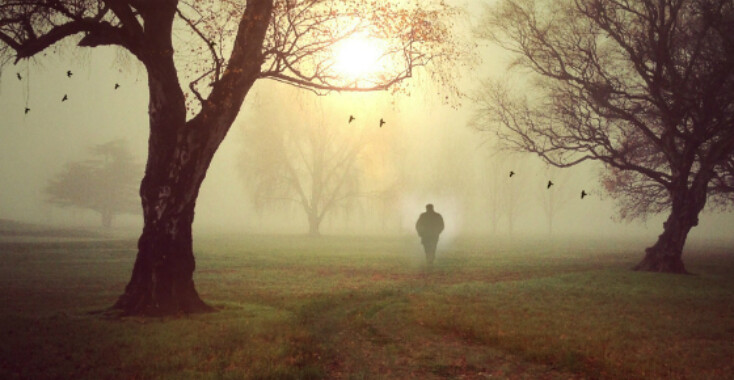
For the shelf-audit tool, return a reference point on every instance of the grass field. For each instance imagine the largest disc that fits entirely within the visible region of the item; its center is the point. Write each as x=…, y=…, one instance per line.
x=367, y=308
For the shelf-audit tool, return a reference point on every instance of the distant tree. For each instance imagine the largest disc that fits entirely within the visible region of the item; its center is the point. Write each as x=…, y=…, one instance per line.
x=222, y=49
x=645, y=87
x=307, y=161
x=502, y=192
x=106, y=183
x=555, y=198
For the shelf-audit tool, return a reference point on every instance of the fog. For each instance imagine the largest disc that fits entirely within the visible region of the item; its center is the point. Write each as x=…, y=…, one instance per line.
x=427, y=154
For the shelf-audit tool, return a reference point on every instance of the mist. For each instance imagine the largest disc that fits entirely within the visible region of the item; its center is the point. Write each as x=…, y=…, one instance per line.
x=428, y=153
x=226, y=194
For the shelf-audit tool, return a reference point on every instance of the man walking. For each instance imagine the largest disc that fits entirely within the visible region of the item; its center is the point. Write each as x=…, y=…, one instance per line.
x=429, y=226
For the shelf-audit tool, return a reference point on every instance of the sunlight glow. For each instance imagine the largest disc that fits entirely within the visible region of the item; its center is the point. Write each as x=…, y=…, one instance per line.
x=358, y=57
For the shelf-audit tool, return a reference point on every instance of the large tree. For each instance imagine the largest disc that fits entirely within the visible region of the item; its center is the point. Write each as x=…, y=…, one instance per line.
x=646, y=87
x=105, y=183
x=232, y=45
x=314, y=159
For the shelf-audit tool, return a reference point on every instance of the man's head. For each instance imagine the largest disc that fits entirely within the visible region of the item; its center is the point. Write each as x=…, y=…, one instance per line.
x=429, y=207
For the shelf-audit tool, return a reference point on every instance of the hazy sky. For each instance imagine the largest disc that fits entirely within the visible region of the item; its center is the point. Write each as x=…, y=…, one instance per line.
x=437, y=143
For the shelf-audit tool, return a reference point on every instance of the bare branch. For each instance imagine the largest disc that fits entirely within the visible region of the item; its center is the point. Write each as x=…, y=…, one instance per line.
x=646, y=87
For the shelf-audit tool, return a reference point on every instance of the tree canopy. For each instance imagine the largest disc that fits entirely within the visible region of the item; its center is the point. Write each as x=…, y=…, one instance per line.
x=644, y=87
x=315, y=160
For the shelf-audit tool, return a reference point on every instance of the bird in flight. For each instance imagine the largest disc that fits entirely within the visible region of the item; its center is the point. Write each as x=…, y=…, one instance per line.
x=65, y=98
x=69, y=73
x=381, y=122
x=18, y=75
x=583, y=194
x=351, y=118
x=27, y=110
x=550, y=183
x=117, y=85
x=512, y=173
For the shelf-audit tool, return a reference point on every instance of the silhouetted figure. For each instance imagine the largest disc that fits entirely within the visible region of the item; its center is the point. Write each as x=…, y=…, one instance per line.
x=351, y=118
x=117, y=85
x=511, y=173
x=27, y=110
x=429, y=226
x=583, y=194
x=550, y=183
x=382, y=122
x=18, y=75
x=69, y=73
x=65, y=98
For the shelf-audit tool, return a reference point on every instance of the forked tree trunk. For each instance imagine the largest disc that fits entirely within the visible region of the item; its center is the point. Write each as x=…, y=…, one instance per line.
x=162, y=279
x=179, y=154
x=666, y=254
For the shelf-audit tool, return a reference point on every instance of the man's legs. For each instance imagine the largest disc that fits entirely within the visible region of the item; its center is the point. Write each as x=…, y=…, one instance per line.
x=429, y=246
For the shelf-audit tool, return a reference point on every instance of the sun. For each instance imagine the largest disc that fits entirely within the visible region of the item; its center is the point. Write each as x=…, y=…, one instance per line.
x=358, y=57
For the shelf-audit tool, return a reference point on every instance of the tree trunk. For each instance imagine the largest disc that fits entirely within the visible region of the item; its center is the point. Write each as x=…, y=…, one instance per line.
x=666, y=254
x=178, y=159
x=314, y=222
x=162, y=280
x=179, y=154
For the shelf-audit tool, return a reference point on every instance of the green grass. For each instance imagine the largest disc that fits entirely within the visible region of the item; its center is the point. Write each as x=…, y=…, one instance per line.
x=365, y=307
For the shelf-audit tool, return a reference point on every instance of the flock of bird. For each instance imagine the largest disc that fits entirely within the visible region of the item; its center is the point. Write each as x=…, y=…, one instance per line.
x=512, y=173
x=550, y=183
x=69, y=74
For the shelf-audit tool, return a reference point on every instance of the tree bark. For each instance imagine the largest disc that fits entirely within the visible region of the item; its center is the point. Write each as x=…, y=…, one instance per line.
x=666, y=254
x=162, y=279
x=179, y=155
